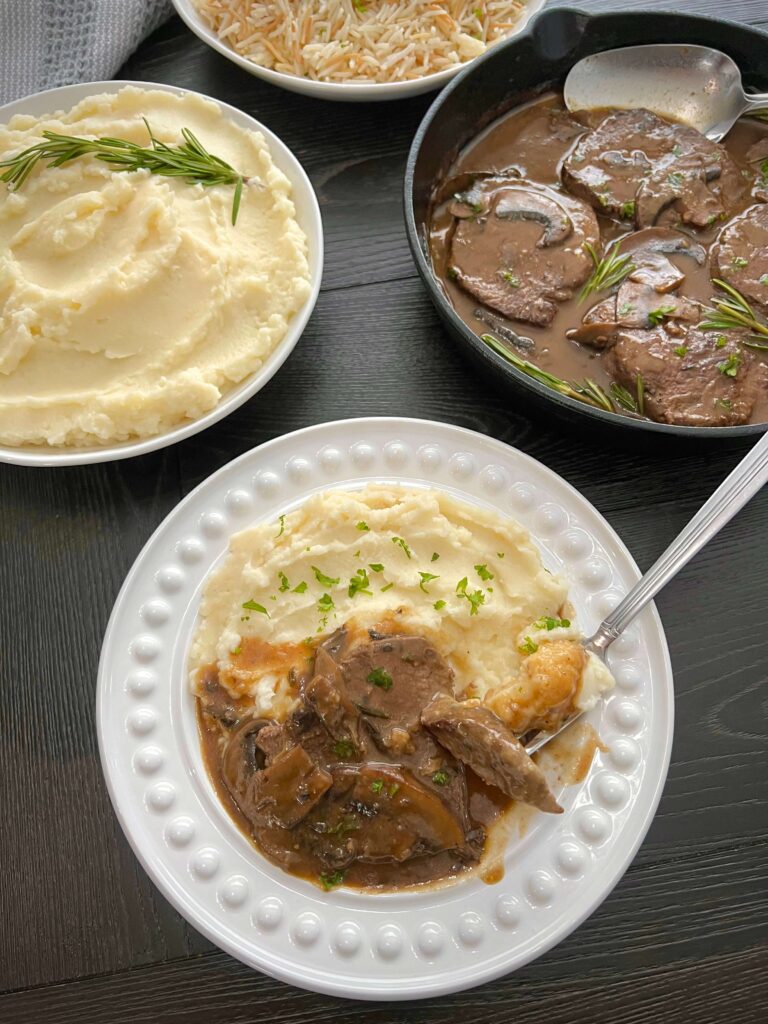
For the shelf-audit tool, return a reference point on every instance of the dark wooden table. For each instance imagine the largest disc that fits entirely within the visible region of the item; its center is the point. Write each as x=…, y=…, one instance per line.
x=84, y=935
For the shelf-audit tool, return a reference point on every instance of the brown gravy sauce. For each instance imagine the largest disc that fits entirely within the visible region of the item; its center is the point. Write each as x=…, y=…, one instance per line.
x=565, y=761
x=534, y=139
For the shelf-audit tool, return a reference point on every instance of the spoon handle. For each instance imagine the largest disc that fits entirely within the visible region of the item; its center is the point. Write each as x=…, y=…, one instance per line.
x=756, y=101
x=732, y=494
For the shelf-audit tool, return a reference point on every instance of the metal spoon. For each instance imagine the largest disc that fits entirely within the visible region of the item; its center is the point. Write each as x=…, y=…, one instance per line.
x=694, y=84
x=732, y=494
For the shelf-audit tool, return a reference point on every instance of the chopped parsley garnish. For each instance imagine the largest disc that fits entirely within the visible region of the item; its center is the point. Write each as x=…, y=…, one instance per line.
x=401, y=543
x=483, y=573
x=625, y=307
x=282, y=527
x=721, y=341
x=363, y=526
x=376, y=567
x=387, y=587
x=439, y=605
x=284, y=584
x=254, y=606
x=393, y=789
x=236, y=650
x=764, y=172
x=499, y=554
x=627, y=210
x=657, y=315
x=547, y=622
x=300, y=587
x=680, y=350
x=677, y=149
x=359, y=583
x=764, y=279
x=342, y=828
x=377, y=785
x=675, y=178
x=440, y=777
x=426, y=577
x=435, y=555
x=739, y=261
x=344, y=748
x=509, y=277
x=476, y=598
x=331, y=881
x=724, y=403
x=380, y=677
x=325, y=581
x=730, y=366
x=528, y=646
x=452, y=273
x=325, y=603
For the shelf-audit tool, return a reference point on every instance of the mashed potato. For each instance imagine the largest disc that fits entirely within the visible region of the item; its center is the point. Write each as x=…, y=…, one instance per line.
x=129, y=303
x=468, y=580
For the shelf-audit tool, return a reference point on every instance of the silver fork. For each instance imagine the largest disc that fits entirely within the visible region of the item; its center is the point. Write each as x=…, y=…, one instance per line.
x=732, y=494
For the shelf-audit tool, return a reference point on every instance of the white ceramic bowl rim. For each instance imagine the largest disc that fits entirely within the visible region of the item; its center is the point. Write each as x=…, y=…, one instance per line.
x=307, y=214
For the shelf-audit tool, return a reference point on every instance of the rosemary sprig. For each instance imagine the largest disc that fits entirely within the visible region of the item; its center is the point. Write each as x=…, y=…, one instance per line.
x=640, y=394
x=622, y=397
x=587, y=391
x=609, y=270
x=733, y=313
x=190, y=161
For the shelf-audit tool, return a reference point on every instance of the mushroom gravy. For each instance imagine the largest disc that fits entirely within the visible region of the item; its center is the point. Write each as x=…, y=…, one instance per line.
x=379, y=779
x=516, y=221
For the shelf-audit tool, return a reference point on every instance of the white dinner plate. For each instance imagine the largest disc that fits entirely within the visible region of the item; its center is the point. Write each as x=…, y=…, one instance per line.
x=399, y=945
x=308, y=217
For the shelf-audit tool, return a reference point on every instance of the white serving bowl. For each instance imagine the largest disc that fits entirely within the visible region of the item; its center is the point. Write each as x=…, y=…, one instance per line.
x=308, y=217
x=345, y=91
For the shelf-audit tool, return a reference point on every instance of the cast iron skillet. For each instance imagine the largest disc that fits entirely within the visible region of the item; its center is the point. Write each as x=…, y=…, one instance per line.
x=510, y=73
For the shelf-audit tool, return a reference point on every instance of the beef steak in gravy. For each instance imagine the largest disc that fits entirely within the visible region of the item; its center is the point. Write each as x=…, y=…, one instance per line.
x=353, y=777
x=634, y=165
x=518, y=247
x=687, y=379
x=479, y=738
x=740, y=255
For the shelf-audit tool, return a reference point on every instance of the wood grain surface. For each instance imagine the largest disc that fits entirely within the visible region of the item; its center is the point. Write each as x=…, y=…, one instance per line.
x=85, y=937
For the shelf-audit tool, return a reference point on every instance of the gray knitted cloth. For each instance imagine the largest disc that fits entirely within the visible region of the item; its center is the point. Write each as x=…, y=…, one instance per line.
x=46, y=43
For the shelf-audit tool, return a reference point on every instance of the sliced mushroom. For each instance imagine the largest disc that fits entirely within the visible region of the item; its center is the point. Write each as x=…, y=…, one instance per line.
x=241, y=756
x=503, y=330
x=522, y=204
x=598, y=326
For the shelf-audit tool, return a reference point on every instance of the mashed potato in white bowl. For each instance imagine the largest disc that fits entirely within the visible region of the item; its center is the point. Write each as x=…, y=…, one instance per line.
x=133, y=313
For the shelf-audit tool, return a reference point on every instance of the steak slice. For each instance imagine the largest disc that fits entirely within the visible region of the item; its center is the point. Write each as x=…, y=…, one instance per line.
x=518, y=247
x=479, y=738
x=687, y=379
x=408, y=673
x=634, y=165
x=740, y=255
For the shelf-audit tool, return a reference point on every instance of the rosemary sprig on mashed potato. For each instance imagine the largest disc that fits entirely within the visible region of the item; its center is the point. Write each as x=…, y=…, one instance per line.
x=491, y=610
x=190, y=161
